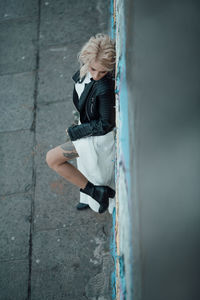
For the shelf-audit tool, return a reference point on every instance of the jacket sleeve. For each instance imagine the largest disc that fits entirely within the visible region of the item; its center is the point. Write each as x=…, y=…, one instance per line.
x=103, y=125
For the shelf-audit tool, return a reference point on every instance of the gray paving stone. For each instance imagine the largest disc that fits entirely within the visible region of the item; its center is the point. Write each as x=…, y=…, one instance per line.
x=55, y=204
x=51, y=123
x=16, y=151
x=15, y=226
x=14, y=280
x=16, y=105
x=18, y=8
x=68, y=270
x=57, y=65
x=62, y=22
x=52, y=191
x=17, y=47
x=75, y=8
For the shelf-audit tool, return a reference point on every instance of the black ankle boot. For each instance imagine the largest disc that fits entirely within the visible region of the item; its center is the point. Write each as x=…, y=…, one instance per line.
x=100, y=193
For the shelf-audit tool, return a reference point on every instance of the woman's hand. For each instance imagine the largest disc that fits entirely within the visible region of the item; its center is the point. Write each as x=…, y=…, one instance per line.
x=66, y=130
x=67, y=133
x=76, y=116
x=68, y=138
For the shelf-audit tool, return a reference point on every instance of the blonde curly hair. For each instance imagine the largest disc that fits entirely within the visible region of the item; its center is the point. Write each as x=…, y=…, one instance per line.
x=99, y=48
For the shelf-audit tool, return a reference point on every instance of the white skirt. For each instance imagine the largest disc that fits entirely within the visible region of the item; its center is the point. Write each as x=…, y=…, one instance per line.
x=97, y=162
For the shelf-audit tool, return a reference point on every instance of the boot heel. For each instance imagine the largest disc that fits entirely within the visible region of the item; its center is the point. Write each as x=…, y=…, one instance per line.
x=111, y=193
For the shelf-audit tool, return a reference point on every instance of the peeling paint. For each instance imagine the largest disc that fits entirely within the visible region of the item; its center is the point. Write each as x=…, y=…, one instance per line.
x=99, y=284
x=98, y=251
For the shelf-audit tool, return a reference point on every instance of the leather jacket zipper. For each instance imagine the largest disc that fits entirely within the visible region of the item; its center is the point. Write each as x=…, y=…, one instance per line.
x=92, y=104
x=87, y=113
x=88, y=116
x=91, y=109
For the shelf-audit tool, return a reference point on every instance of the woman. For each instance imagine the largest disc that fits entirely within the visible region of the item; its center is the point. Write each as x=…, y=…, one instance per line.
x=94, y=98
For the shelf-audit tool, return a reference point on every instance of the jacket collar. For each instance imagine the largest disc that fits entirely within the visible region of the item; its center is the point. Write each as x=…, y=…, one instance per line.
x=76, y=76
x=85, y=94
x=86, y=90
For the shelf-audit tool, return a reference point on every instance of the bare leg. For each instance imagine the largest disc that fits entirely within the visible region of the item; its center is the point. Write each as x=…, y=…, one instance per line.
x=58, y=158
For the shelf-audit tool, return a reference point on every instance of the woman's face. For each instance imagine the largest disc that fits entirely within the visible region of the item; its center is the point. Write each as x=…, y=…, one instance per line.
x=97, y=70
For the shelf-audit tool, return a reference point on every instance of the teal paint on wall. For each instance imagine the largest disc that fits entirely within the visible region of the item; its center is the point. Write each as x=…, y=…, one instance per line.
x=122, y=278
x=121, y=89
x=113, y=240
x=123, y=160
x=123, y=165
x=112, y=27
x=114, y=255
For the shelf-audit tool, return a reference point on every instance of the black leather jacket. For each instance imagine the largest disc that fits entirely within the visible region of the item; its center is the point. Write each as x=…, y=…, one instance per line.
x=96, y=107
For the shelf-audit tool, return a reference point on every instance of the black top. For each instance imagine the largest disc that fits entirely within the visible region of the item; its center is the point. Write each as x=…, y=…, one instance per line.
x=96, y=107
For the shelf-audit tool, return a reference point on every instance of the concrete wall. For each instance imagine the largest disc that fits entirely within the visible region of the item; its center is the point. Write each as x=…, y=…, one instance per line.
x=158, y=210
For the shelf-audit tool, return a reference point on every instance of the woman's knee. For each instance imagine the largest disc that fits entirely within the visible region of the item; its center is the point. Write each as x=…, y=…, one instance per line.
x=60, y=155
x=51, y=159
